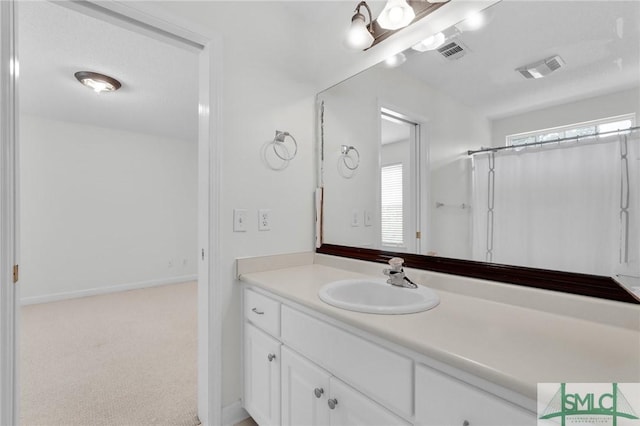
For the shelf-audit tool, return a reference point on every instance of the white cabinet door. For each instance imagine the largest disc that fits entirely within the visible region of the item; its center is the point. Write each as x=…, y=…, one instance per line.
x=442, y=400
x=305, y=389
x=351, y=408
x=261, y=376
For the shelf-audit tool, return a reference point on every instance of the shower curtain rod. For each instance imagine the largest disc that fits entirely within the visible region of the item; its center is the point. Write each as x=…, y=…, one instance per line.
x=576, y=138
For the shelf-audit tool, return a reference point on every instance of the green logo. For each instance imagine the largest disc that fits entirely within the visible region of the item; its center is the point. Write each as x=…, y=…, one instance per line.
x=583, y=406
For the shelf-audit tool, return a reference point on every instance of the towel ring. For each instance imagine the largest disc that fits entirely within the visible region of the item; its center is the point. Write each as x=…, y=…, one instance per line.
x=279, y=141
x=345, y=150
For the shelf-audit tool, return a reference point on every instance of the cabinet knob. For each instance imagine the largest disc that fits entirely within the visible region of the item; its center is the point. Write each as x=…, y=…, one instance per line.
x=318, y=392
x=271, y=357
x=332, y=403
x=466, y=423
x=255, y=310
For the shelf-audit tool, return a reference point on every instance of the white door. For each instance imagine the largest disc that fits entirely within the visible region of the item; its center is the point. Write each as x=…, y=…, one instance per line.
x=305, y=389
x=261, y=376
x=8, y=215
x=350, y=407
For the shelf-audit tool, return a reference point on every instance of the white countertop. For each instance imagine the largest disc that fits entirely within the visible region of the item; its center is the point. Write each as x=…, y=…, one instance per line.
x=512, y=346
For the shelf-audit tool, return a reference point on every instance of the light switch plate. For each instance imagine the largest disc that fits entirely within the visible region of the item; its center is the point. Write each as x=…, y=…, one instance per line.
x=264, y=220
x=355, y=218
x=239, y=220
x=367, y=218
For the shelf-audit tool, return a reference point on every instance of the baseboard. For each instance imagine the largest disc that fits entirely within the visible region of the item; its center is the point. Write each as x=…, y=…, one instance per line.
x=105, y=290
x=233, y=413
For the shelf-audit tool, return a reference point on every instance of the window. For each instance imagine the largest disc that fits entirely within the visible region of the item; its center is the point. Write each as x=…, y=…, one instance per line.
x=391, y=205
x=574, y=130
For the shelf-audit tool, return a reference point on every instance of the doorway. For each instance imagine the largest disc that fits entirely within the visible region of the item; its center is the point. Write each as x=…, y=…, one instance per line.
x=108, y=210
x=399, y=182
x=208, y=315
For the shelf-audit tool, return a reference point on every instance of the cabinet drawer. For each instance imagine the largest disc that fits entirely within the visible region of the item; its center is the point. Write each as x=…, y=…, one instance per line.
x=384, y=375
x=444, y=400
x=262, y=311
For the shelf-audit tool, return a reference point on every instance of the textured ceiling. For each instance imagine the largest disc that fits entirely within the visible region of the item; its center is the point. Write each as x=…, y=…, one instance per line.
x=599, y=40
x=302, y=40
x=159, y=81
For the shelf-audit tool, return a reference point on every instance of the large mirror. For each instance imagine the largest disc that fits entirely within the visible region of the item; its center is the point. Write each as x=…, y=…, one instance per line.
x=558, y=79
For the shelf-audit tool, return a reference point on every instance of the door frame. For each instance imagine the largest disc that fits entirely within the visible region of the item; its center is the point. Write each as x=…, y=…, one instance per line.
x=143, y=17
x=8, y=215
x=419, y=209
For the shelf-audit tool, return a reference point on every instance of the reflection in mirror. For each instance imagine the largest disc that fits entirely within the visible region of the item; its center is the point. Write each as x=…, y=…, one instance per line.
x=398, y=185
x=559, y=80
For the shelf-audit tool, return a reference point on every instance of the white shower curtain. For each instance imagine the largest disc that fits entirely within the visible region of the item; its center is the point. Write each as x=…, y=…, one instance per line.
x=556, y=206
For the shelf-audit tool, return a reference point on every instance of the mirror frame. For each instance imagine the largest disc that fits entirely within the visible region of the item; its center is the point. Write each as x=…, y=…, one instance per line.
x=598, y=286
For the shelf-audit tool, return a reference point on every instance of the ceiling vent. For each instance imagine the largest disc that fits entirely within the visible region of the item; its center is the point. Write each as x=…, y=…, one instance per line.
x=453, y=50
x=541, y=68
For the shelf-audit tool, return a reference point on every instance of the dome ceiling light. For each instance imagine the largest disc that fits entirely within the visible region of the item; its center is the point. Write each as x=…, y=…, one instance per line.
x=98, y=82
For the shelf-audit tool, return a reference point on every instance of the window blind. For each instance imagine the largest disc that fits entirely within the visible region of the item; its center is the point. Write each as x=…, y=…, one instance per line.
x=391, y=205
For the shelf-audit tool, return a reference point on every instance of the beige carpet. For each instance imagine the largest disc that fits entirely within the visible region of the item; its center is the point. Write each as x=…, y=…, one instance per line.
x=126, y=358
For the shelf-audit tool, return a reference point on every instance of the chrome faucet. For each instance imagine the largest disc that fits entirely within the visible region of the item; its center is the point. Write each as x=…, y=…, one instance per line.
x=396, y=274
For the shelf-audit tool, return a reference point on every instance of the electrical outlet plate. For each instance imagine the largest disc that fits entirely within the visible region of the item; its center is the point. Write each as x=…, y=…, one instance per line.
x=239, y=220
x=264, y=220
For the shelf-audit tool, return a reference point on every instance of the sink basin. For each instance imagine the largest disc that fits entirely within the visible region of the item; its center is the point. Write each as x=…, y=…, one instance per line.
x=375, y=296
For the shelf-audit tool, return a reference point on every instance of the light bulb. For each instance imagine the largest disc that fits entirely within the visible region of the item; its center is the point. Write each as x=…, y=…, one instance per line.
x=395, y=60
x=358, y=35
x=396, y=14
x=472, y=22
x=98, y=86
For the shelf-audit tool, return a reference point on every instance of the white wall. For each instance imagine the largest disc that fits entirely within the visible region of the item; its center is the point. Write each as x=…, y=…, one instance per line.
x=609, y=105
x=351, y=117
x=351, y=111
x=258, y=99
x=103, y=208
x=256, y=103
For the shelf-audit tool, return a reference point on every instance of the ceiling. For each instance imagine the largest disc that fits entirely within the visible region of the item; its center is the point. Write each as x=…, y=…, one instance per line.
x=599, y=41
x=392, y=131
x=302, y=40
x=159, y=80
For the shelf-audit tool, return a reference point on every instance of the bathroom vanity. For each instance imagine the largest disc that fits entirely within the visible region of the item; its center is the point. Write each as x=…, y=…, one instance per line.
x=469, y=361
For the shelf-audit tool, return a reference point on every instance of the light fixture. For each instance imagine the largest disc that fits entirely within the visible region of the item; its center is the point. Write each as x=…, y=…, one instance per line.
x=395, y=60
x=476, y=20
x=360, y=35
x=430, y=43
x=541, y=68
x=98, y=82
x=396, y=14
